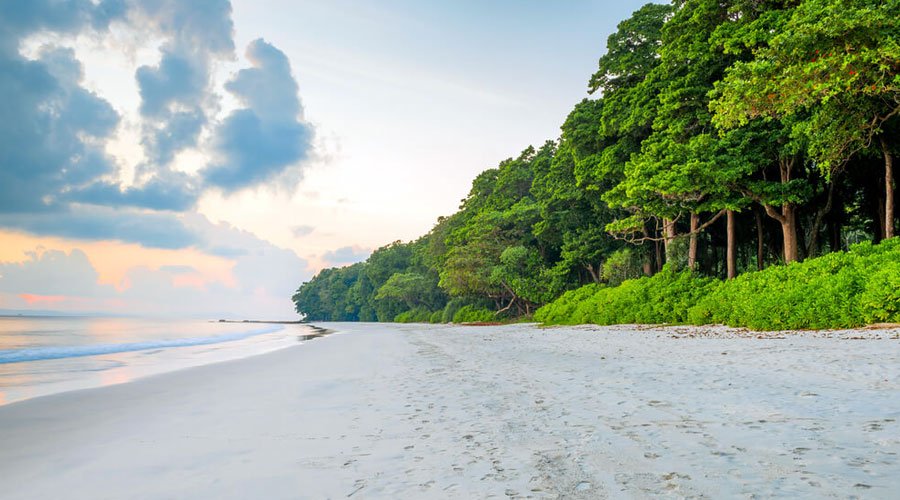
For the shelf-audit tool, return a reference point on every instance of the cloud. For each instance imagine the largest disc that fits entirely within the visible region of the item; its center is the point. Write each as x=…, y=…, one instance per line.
x=266, y=137
x=66, y=16
x=264, y=278
x=49, y=130
x=346, y=255
x=154, y=230
x=55, y=175
x=175, y=92
x=50, y=125
x=52, y=272
x=174, y=96
x=258, y=263
x=53, y=129
x=56, y=178
x=302, y=230
x=165, y=191
x=177, y=269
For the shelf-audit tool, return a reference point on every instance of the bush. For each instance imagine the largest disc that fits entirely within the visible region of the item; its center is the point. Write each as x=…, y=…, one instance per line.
x=562, y=310
x=621, y=265
x=417, y=315
x=880, y=300
x=838, y=290
x=472, y=314
x=663, y=298
x=450, y=310
x=436, y=317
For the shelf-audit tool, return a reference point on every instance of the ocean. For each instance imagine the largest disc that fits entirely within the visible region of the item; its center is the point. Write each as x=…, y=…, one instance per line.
x=47, y=355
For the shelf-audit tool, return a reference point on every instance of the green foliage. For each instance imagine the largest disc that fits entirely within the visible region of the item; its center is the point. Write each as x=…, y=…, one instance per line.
x=879, y=302
x=451, y=308
x=523, y=273
x=417, y=315
x=413, y=289
x=833, y=65
x=816, y=294
x=702, y=106
x=620, y=266
x=663, y=298
x=562, y=310
x=333, y=295
x=473, y=314
x=838, y=290
x=436, y=317
x=392, y=281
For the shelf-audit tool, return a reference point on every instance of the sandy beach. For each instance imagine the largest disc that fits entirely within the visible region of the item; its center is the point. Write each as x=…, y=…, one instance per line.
x=437, y=411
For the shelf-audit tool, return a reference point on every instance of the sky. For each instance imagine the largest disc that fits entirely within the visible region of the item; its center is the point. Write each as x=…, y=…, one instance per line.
x=204, y=158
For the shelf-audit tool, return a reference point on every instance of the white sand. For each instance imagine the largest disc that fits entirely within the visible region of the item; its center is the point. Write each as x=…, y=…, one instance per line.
x=413, y=411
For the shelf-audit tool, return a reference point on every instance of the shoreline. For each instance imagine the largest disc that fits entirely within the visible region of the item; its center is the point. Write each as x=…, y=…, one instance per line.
x=514, y=411
x=61, y=369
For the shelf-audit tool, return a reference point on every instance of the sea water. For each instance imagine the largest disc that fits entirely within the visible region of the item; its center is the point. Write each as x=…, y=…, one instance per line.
x=46, y=355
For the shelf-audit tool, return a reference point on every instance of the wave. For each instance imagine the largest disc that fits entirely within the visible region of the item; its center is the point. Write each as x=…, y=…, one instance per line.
x=75, y=351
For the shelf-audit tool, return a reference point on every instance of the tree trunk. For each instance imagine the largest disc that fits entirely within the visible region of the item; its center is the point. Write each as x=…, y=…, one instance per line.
x=714, y=261
x=812, y=247
x=731, y=253
x=668, y=237
x=878, y=216
x=888, y=191
x=647, y=263
x=595, y=273
x=788, y=220
x=789, y=231
x=692, y=248
x=835, y=222
x=760, y=248
x=659, y=257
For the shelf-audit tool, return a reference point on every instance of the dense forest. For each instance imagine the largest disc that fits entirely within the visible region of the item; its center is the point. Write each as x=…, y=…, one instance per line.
x=725, y=146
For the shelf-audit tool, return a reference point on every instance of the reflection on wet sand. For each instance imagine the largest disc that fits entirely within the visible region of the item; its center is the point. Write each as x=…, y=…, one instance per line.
x=317, y=332
x=115, y=376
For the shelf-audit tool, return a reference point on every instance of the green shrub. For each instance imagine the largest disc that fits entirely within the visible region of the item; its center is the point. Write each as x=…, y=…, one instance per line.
x=473, y=314
x=838, y=290
x=561, y=311
x=621, y=265
x=436, y=317
x=880, y=300
x=450, y=310
x=417, y=315
x=663, y=298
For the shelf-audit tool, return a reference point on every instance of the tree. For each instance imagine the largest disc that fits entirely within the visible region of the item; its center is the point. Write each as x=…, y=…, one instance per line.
x=411, y=288
x=499, y=212
x=624, y=115
x=573, y=217
x=834, y=66
x=675, y=172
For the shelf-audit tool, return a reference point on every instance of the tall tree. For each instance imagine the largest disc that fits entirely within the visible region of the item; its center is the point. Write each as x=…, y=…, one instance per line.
x=835, y=66
x=675, y=175
x=628, y=108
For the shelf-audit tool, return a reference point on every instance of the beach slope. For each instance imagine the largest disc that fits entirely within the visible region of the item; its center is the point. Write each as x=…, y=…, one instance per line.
x=436, y=411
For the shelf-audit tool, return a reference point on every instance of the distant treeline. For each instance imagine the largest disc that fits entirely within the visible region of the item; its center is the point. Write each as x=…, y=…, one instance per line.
x=722, y=137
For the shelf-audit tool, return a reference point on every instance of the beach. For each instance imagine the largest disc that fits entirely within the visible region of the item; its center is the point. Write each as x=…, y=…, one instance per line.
x=516, y=411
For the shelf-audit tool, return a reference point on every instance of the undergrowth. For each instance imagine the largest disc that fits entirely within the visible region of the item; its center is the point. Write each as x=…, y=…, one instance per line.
x=838, y=290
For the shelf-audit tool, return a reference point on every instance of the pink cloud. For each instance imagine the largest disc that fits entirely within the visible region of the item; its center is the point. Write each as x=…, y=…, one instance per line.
x=33, y=299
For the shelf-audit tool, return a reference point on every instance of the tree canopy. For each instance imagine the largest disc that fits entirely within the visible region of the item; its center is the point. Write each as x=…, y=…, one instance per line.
x=725, y=136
